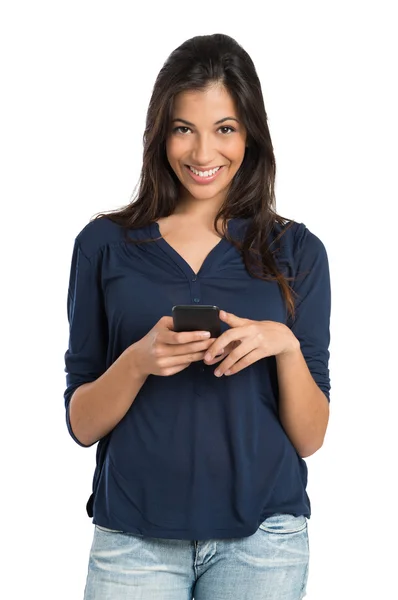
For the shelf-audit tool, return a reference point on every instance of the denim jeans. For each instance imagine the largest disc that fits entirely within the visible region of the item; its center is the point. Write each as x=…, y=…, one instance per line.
x=271, y=564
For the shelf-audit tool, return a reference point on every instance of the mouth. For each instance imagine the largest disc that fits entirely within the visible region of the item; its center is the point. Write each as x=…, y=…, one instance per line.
x=204, y=176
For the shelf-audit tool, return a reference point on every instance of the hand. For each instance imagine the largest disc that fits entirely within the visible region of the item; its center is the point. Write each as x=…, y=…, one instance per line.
x=248, y=341
x=166, y=352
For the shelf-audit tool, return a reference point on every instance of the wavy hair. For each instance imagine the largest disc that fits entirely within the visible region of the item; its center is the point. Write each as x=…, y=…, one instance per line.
x=197, y=63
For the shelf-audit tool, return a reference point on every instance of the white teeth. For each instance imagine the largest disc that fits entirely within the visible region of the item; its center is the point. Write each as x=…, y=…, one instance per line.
x=204, y=173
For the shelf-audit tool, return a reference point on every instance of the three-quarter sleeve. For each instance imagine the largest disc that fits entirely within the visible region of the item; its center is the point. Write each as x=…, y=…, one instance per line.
x=311, y=325
x=85, y=359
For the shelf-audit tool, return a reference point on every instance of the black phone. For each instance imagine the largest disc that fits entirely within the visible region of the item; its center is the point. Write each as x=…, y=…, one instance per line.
x=189, y=317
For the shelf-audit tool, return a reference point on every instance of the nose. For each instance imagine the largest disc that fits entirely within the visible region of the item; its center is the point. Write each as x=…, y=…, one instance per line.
x=202, y=151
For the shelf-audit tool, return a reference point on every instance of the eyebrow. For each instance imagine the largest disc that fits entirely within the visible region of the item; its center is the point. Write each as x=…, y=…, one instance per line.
x=216, y=123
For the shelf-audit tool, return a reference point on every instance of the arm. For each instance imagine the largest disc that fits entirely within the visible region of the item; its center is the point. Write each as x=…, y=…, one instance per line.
x=303, y=373
x=98, y=395
x=97, y=407
x=303, y=407
x=300, y=347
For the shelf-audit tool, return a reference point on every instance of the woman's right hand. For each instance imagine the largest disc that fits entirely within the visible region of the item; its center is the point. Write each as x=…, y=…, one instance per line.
x=165, y=352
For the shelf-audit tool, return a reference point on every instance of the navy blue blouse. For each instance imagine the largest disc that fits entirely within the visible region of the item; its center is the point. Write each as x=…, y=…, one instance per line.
x=196, y=456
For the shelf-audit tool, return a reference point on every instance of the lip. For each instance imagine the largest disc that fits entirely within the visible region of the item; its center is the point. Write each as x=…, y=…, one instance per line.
x=204, y=168
x=203, y=180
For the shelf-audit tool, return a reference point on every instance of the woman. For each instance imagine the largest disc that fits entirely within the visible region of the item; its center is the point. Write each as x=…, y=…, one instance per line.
x=200, y=483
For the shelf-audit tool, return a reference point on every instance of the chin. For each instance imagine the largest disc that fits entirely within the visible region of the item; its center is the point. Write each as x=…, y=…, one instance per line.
x=205, y=194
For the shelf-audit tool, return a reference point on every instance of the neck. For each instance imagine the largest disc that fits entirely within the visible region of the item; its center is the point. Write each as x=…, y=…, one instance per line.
x=204, y=211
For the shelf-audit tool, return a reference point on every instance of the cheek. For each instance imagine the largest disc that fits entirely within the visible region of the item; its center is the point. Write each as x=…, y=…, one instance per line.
x=238, y=156
x=237, y=150
x=169, y=152
x=174, y=151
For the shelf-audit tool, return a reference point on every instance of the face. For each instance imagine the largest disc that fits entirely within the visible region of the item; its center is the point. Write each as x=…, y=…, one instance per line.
x=206, y=143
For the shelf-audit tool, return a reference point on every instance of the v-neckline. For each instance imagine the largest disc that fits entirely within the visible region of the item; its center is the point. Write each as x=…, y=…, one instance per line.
x=217, y=250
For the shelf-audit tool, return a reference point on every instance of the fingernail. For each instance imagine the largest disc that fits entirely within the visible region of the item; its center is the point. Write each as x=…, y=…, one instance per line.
x=217, y=373
x=205, y=334
x=207, y=356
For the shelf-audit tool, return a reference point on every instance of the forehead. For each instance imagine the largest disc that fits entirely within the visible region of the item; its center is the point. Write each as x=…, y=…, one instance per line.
x=213, y=102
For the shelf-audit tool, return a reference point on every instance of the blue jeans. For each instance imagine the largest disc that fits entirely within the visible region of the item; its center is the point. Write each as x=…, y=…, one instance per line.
x=271, y=564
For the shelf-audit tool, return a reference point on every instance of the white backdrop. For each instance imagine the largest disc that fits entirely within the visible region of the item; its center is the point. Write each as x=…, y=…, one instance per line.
x=76, y=79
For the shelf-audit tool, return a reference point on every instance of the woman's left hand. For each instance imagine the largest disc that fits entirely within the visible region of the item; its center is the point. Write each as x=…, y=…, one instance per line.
x=248, y=341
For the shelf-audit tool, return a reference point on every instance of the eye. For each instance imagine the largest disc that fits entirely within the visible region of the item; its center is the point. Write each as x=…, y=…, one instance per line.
x=231, y=129
x=225, y=129
x=180, y=128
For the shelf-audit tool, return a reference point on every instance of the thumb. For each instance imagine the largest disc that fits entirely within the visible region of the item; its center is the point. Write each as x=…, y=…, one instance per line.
x=231, y=319
x=167, y=322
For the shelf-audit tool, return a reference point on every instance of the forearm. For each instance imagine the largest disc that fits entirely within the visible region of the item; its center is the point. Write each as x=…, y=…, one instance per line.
x=97, y=407
x=303, y=407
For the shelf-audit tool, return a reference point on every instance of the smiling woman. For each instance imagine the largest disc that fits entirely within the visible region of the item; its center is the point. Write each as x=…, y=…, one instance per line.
x=199, y=489
x=205, y=151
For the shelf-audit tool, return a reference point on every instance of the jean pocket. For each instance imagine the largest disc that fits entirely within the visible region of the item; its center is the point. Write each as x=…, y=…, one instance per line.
x=284, y=524
x=106, y=530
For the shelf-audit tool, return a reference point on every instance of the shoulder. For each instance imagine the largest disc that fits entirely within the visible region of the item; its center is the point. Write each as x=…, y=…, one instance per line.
x=297, y=248
x=296, y=239
x=97, y=234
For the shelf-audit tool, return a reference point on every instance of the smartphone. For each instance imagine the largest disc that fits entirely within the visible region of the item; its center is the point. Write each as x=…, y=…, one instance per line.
x=188, y=317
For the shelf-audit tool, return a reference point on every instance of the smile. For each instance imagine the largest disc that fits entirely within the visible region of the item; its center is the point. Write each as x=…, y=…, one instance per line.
x=204, y=176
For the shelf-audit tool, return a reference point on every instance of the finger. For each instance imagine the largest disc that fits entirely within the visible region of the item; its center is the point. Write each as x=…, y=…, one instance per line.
x=244, y=362
x=181, y=349
x=238, y=354
x=167, y=336
x=225, y=353
x=168, y=322
x=174, y=361
x=174, y=370
x=231, y=319
x=226, y=338
x=217, y=359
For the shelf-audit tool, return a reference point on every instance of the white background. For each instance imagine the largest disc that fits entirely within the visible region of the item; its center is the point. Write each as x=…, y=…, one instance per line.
x=76, y=78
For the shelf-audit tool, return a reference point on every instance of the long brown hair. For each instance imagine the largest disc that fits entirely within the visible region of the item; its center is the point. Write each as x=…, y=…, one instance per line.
x=194, y=65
